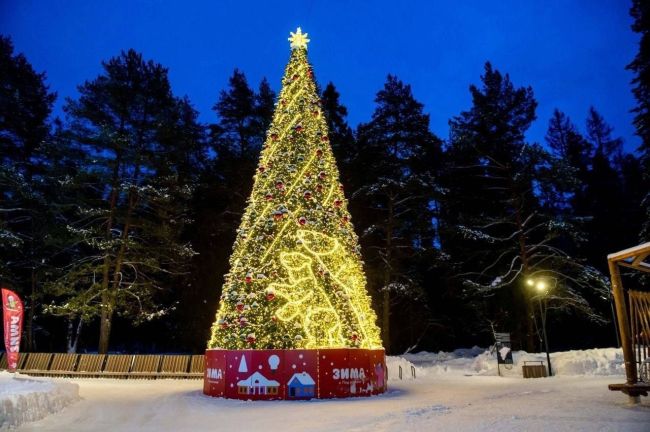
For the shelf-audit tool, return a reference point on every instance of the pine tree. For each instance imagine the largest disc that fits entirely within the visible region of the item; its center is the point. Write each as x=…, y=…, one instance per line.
x=501, y=215
x=25, y=215
x=342, y=141
x=599, y=133
x=341, y=136
x=640, y=11
x=395, y=162
x=569, y=145
x=243, y=117
x=296, y=278
x=609, y=194
x=138, y=142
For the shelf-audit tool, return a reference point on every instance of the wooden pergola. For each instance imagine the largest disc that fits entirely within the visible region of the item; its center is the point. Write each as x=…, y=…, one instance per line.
x=633, y=318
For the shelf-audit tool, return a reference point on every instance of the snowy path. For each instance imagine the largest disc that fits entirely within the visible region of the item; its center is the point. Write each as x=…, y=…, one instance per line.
x=458, y=403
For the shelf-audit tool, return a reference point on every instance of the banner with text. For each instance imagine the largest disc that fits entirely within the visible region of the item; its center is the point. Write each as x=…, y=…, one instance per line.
x=12, y=310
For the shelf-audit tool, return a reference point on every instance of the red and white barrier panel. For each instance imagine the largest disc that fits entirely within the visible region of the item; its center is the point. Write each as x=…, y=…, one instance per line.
x=294, y=373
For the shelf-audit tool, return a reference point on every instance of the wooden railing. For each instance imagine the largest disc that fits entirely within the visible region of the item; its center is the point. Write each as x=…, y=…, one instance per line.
x=109, y=365
x=640, y=332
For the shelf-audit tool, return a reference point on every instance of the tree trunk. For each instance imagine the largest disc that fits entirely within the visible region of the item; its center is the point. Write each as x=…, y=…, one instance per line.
x=73, y=334
x=106, y=321
x=107, y=306
x=529, y=337
x=106, y=315
x=29, y=330
x=385, y=318
x=109, y=295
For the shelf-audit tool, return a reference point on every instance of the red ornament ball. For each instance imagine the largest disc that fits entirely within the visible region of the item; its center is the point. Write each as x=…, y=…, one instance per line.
x=240, y=306
x=322, y=175
x=274, y=136
x=302, y=220
x=324, y=138
x=250, y=338
x=307, y=195
x=319, y=153
x=338, y=203
x=261, y=169
x=268, y=196
x=279, y=185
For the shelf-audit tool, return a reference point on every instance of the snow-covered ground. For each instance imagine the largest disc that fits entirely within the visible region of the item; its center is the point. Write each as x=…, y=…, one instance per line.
x=456, y=391
x=24, y=399
x=478, y=361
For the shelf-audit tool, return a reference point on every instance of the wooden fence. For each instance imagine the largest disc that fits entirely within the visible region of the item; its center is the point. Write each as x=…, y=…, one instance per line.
x=124, y=366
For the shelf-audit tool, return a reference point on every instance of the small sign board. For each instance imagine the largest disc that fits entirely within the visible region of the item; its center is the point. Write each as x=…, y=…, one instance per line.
x=503, y=348
x=504, y=354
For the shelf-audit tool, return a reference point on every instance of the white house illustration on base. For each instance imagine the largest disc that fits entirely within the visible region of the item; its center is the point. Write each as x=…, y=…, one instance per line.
x=301, y=385
x=258, y=384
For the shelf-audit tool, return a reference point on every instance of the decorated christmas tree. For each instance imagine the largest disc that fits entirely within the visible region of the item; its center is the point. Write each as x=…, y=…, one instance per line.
x=296, y=278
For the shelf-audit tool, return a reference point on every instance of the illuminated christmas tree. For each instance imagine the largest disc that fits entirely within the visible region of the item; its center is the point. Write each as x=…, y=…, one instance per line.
x=296, y=278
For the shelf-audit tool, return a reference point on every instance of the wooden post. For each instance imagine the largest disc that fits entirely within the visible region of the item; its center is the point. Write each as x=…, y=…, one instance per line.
x=623, y=323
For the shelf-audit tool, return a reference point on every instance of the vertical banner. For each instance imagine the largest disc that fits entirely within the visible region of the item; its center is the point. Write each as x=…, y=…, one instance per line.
x=12, y=310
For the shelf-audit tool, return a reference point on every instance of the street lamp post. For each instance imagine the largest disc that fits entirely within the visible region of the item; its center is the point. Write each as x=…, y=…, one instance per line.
x=542, y=287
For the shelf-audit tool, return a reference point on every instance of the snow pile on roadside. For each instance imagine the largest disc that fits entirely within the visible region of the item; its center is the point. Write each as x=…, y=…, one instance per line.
x=479, y=361
x=463, y=361
x=25, y=399
x=598, y=361
x=394, y=363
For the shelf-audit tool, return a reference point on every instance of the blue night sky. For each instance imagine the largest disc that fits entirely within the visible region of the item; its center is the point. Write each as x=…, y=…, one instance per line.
x=573, y=53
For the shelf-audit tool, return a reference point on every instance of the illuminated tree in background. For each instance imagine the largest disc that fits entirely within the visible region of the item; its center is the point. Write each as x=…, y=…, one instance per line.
x=296, y=277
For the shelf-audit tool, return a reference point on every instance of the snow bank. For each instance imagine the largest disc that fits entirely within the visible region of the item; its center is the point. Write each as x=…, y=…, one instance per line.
x=25, y=399
x=394, y=363
x=599, y=361
x=479, y=361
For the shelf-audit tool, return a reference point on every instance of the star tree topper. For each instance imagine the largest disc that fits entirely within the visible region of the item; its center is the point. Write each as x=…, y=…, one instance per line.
x=298, y=39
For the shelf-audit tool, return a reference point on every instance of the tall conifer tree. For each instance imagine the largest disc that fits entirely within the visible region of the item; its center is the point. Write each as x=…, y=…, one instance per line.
x=640, y=11
x=296, y=279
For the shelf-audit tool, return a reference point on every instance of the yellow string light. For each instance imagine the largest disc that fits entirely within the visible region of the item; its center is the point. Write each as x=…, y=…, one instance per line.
x=296, y=278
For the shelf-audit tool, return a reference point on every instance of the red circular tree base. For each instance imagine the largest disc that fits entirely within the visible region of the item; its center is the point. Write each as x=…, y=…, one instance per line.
x=294, y=373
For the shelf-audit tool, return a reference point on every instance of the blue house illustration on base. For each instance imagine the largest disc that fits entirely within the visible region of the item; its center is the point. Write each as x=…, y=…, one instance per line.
x=301, y=385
